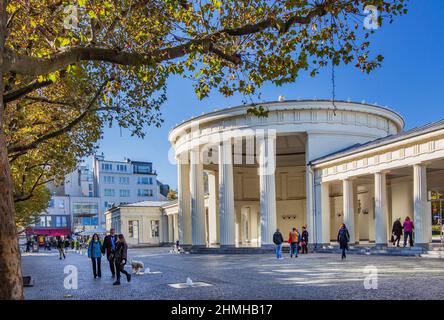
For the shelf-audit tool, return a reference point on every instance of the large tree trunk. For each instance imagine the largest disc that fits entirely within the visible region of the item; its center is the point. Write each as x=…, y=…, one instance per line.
x=11, y=285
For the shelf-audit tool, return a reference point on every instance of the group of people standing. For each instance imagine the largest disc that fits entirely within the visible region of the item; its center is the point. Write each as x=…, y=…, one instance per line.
x=115, y=248
x=399, y=227
x=298, y=241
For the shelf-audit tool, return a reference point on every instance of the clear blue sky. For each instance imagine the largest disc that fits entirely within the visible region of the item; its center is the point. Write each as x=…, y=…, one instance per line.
x=410, y=81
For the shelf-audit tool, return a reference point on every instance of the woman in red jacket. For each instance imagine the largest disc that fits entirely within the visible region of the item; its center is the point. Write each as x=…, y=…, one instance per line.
x=408, y=231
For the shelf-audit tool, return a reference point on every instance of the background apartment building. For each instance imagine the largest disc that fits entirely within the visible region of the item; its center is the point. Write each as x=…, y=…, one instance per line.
x=123, y=182
x=80, y=202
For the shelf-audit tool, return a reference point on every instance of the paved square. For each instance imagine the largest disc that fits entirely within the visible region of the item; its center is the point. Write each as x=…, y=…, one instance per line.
x=314, y=276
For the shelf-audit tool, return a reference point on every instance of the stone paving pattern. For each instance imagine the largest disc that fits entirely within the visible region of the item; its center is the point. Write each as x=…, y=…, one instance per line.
x=254, y=276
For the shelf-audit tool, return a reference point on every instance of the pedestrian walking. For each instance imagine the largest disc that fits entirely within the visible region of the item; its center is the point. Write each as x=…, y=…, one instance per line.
x=343, y=239
x=95, y=254
x=61, y=247
x=108, y=248
x=304, y=240
x=396, y=232
x=120, y=256
x=47, y=244
x=408, y=227
x=67, y=244
x=294, y=243
x=278, y=240
x=28, y=245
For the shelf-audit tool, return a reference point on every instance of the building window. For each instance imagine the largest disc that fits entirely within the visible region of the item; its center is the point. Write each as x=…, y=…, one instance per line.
x=133, y=229
x=107, y=205
x=90, y=187
x=121, y=167
x=61, y=222
x=108, y=179
x=144, y=180
x=145, y=192
x=48, y=221
x=109, y=193
x=124, y=193
x=62, y=204
x=51, y=203
x=154, y=228
x=91, y=194
x=107, y=166
x=85, y=209
x=142, y=168
x=124, y=180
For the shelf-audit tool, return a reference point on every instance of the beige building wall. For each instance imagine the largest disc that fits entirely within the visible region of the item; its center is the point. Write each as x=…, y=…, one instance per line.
x=143, y=220
x=402, y=200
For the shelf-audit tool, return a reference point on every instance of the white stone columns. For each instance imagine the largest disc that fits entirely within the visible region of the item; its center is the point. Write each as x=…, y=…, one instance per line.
x=267, y=187
x=421, y=219
x=170, y=223
x=356, y=212
x=197, y=199
x=349, y=211
x=325, y=214
x=176, y=227
x=226, y=194
x=381, y=212
x=310, y=204
x=213, y=222
x=184, y=215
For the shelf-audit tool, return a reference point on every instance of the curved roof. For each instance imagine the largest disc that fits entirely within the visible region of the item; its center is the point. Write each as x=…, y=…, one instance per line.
x=287, y=105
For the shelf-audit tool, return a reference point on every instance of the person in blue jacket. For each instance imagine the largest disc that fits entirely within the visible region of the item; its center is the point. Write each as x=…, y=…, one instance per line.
x=95, y=254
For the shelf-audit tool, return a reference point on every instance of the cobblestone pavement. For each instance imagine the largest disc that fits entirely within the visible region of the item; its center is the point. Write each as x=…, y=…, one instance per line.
x=314, y=276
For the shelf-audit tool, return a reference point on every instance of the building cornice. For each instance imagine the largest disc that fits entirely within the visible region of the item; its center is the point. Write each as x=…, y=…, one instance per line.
x=223, y=114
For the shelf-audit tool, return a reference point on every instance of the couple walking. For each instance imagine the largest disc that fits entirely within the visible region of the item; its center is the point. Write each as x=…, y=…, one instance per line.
x=397, y=229
x=115, y=248
x=296, y=241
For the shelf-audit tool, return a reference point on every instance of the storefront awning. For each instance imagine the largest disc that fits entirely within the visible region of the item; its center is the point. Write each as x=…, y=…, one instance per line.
x=51, y=232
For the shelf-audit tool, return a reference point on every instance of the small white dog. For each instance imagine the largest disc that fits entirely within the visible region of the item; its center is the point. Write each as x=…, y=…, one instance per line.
x=137, y=267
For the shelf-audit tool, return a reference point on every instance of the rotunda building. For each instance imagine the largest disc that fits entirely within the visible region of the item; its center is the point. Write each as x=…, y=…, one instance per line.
x=241, y=177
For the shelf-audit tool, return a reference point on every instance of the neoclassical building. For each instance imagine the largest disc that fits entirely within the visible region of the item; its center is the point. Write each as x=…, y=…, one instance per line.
x=307, y=163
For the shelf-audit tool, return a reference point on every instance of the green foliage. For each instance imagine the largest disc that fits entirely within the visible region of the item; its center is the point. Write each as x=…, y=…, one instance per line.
x=125, y=51
x=28, y=212
x=172, y=195
x=231, y=46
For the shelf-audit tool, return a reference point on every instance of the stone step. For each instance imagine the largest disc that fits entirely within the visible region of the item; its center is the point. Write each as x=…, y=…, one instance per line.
x=389, y=251
x=433, y=254
x=436, y=248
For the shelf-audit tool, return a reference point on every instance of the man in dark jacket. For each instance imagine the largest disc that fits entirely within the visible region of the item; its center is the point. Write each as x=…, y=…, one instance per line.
x=61, y=247
x=278, y=240
x=397, y=231
x=343, y=239
x=304, y=240
x=109, y=246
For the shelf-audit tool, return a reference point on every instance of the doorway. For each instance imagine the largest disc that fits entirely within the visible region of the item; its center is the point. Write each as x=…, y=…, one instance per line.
x=437, y=220
x=437, y=201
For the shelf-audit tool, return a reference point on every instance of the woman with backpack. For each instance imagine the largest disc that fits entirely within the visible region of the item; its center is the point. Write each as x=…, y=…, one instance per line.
x=343, y=239
x=120, y=256
x=95, y=254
